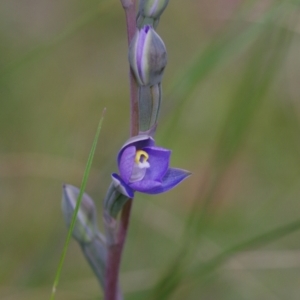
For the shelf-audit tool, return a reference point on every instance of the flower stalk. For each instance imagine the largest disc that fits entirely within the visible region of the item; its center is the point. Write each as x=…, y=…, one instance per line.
x=147, y=58
x=115, y=250
x=129, y=7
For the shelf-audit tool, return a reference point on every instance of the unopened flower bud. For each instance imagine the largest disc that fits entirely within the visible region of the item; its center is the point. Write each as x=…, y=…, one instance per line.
x=149, y=105
x=150, y=11
x=147, y=56
x=85, y=228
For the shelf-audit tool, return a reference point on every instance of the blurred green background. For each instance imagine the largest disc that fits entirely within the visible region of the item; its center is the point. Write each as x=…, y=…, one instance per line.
x=231, y=115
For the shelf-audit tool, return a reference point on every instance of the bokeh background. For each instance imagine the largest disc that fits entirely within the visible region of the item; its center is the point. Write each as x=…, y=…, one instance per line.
x=231, y=115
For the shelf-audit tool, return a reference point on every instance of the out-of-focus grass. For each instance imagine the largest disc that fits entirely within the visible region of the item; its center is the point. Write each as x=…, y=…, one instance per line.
x=85, y=178
x=230, y=114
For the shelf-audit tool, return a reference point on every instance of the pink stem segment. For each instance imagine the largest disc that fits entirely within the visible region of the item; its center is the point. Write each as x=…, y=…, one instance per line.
x=115, y=250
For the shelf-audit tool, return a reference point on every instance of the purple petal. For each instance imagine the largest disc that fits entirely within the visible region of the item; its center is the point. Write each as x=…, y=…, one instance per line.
x=121, y=186
x=139, y=141
x=144, y=186
x=159, y=159
x=170, y=180
x=126, y=163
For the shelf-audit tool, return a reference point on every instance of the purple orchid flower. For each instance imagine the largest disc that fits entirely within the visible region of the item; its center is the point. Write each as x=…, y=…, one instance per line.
x=145, y=168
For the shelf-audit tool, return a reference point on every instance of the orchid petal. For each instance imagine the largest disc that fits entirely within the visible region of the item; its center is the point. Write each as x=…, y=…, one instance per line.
x=126, y=163
x=144, y=185
x=159, y=159
x=172, y=178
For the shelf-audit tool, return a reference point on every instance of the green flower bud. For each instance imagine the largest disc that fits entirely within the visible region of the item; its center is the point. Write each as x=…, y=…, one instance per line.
x=147, y=56
x=149, y=106
x=85, y=229
x=150, y=11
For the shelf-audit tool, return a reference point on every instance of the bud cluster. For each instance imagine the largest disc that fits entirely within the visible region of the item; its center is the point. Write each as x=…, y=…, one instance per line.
x=148, y=59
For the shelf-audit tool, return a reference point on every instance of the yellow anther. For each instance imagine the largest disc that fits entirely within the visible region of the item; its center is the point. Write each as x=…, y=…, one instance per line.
x=139, y=154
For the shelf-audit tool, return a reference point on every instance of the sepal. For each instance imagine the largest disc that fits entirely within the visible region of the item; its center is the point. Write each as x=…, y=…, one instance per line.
x=172, y=178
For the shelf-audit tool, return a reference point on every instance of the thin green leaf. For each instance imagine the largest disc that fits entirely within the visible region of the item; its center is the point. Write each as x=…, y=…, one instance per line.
x=82, y=188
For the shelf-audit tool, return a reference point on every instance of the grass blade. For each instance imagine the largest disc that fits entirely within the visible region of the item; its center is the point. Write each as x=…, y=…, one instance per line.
x=82, y=188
